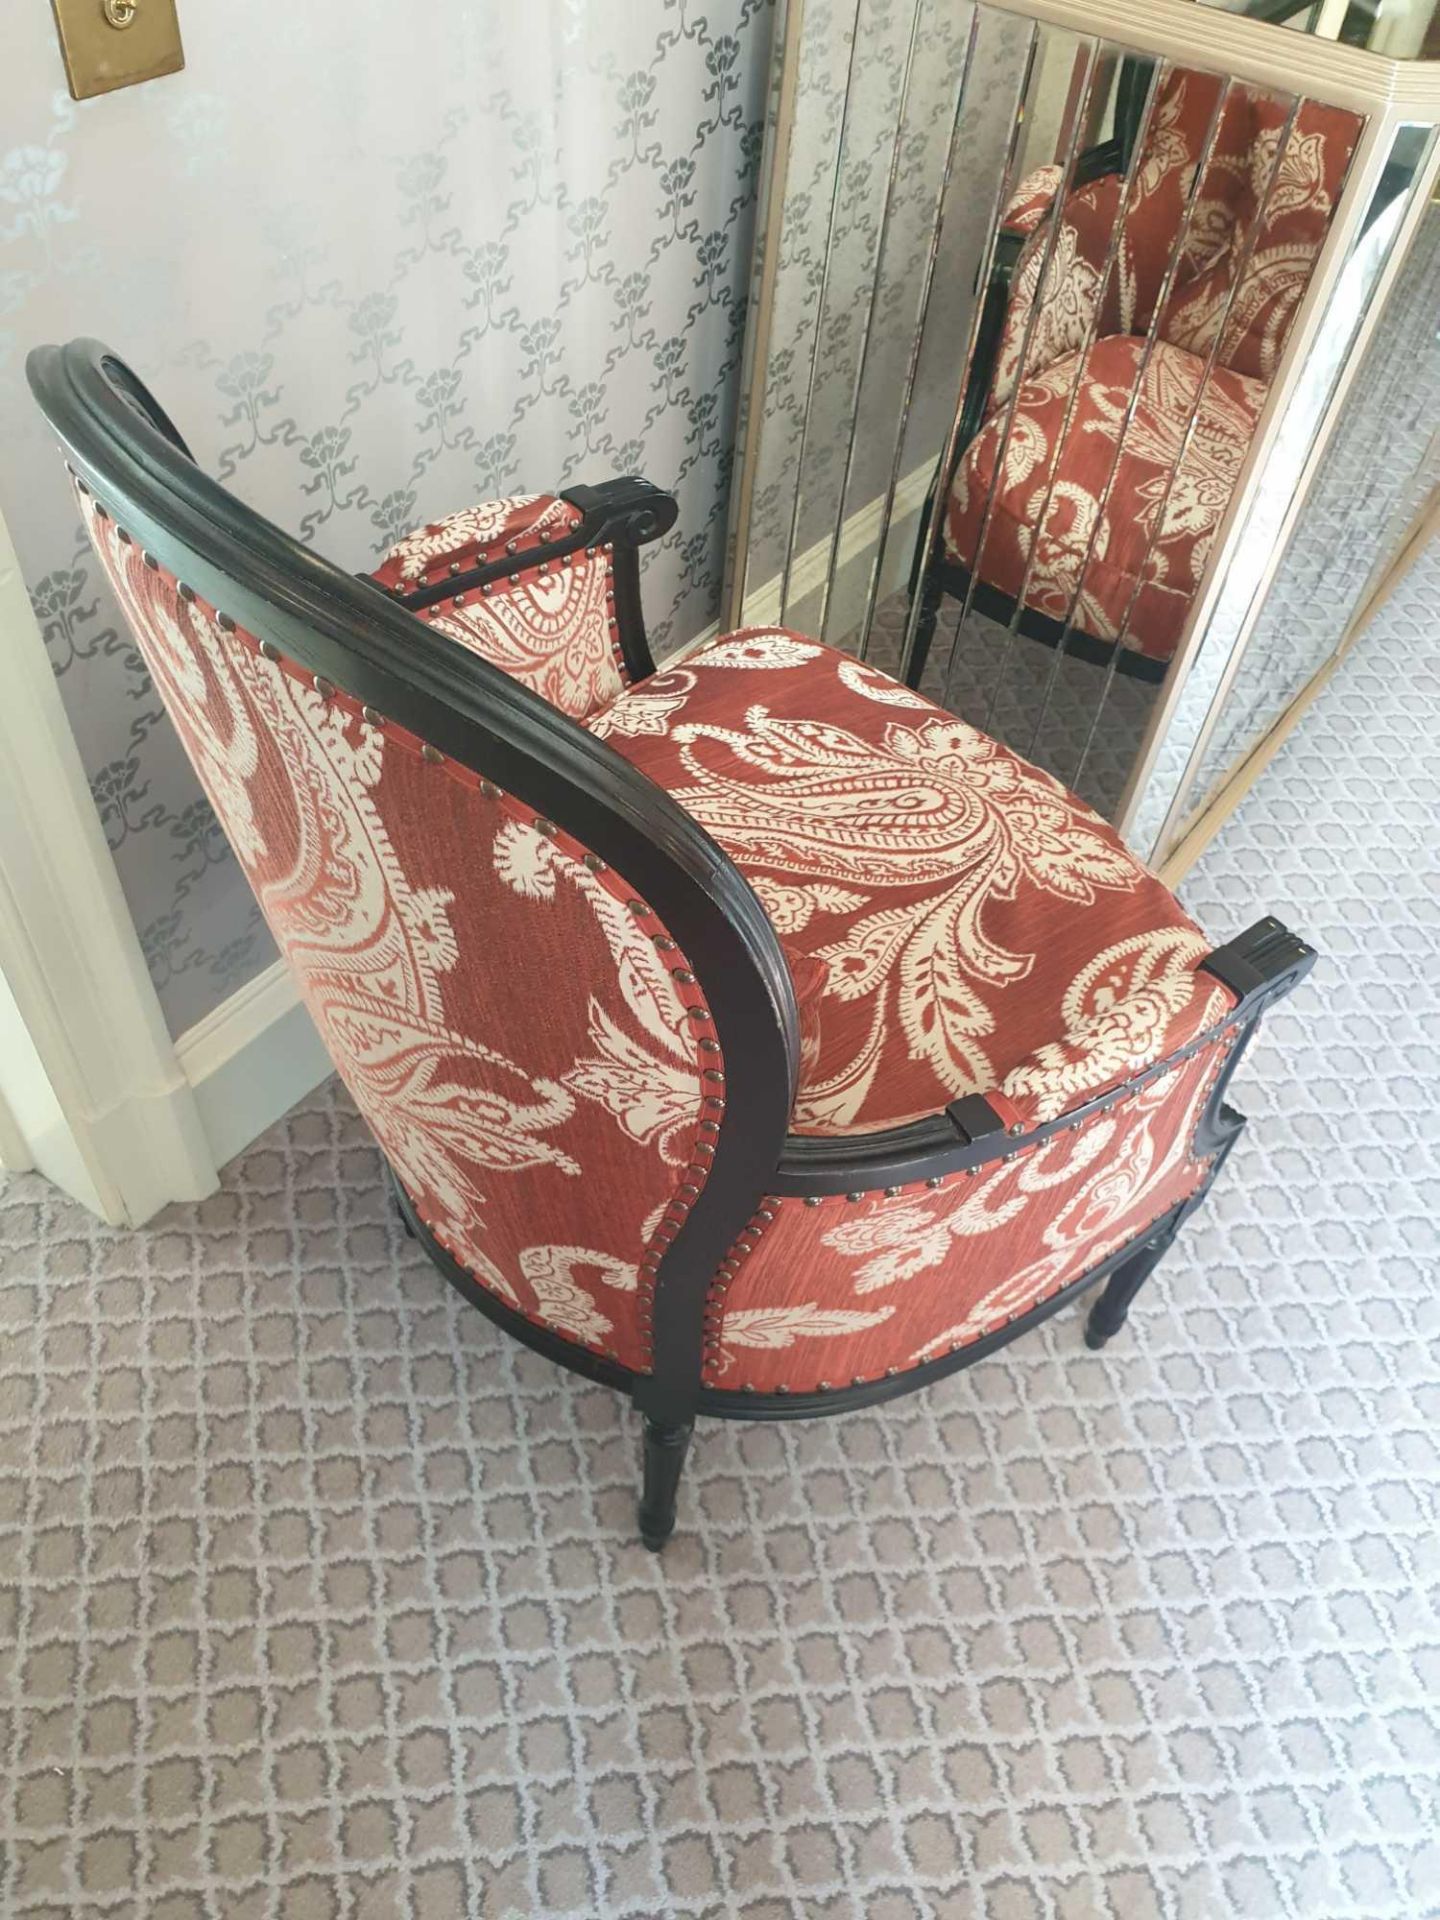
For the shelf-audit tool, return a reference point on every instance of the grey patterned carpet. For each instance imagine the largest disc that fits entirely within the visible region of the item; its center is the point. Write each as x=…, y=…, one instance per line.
x=318, y=1601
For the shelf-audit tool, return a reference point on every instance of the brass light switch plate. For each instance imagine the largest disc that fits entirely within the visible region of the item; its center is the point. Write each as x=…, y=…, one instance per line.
x=114, y=43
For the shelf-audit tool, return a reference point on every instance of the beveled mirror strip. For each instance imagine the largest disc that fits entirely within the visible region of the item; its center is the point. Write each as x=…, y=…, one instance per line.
x=1152, y=334
x=877, y=278
x=930, y=540
x=788, y=565
x=1117, y=232
x=912, y=364
x=1054, y=226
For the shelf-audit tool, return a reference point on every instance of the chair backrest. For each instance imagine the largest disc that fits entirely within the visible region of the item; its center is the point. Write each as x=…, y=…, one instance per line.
x=560, y=1009
x=1248, y=237
x=1260, y=216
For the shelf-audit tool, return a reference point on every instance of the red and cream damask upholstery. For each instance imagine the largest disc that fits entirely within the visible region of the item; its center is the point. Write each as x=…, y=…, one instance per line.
x=947, y=910
x=816, y=1039
x=1121, y=544
x=552, y=626
x=494, y=1000
x=854, y=1287
x=1122, y=549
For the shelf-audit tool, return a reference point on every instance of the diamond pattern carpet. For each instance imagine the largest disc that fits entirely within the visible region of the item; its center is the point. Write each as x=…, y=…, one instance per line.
x=320, y=1601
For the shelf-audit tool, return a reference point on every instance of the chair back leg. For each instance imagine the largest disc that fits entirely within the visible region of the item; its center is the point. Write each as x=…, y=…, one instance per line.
x=665, y=1449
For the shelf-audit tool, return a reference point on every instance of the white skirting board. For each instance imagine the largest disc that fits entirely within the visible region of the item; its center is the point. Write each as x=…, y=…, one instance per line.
x=251, y=1060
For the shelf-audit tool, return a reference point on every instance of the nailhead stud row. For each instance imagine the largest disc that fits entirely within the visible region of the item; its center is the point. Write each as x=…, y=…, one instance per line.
x=740, y=1249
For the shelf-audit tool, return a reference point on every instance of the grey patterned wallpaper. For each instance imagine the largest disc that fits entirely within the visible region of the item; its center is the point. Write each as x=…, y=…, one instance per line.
x=377, y=263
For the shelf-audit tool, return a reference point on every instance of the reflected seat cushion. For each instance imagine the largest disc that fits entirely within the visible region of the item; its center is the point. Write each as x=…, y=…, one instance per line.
x=1061, y=470
x=951, y=916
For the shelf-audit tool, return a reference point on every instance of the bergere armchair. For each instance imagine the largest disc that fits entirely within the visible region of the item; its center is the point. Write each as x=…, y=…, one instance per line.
x=750, y=1035
x=1142, y=320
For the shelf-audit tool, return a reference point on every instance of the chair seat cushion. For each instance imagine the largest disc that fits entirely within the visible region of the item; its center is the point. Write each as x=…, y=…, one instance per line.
x=947, y=910
x=1072, y=464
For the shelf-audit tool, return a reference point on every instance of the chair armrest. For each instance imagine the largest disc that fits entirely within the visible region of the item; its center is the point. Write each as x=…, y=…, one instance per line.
x=482, y=546
x=1155, y=1026
x=1032, y=200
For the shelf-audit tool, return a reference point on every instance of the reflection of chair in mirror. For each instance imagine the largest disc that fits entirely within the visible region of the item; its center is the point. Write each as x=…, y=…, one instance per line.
x=1118, y=405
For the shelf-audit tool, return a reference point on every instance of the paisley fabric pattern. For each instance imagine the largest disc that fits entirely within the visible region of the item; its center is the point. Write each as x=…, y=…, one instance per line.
x=474, y=535
x=908, y=1277
x=1127, y=508
x=498, y=1010
x=1032, y=200
x=1247, y=245
x=946, y=909
x=550, y=626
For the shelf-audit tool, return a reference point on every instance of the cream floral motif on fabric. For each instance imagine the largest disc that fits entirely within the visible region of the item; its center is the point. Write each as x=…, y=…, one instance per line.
x=872, y=684
x=757, y=647
x=526, y=515
x=549, y=631
x=646, y=710
x=367, y=948
x=646, y=1079
x=1125, y=1166
x=561, y=1300
x=1117, y=1013
x=774, y=1328
x=933, y=803
x=1193, y=491
x=1066, y=316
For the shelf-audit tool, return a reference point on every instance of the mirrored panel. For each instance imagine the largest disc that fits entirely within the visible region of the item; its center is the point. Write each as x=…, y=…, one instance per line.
x=1031, y=292
x=1274, y=628
x=1381, y=465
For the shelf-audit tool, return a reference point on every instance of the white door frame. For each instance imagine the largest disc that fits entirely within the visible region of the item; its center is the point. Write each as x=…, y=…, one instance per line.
x=117, y=1124
x=15, y=1154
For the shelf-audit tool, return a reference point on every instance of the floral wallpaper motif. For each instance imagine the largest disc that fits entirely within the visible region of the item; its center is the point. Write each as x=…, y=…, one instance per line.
x=376, y=269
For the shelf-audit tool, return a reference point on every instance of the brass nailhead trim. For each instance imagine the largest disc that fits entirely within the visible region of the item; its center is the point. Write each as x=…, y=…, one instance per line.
x=185, y=593
x=372, y=717
x=269, y=650
x=489, y=789
x=150, y=561
x=431, y=754
x=225, y=623
x=325, y=688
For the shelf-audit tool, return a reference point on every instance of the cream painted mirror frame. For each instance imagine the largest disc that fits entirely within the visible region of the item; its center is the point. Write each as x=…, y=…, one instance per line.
x=1388, y=94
